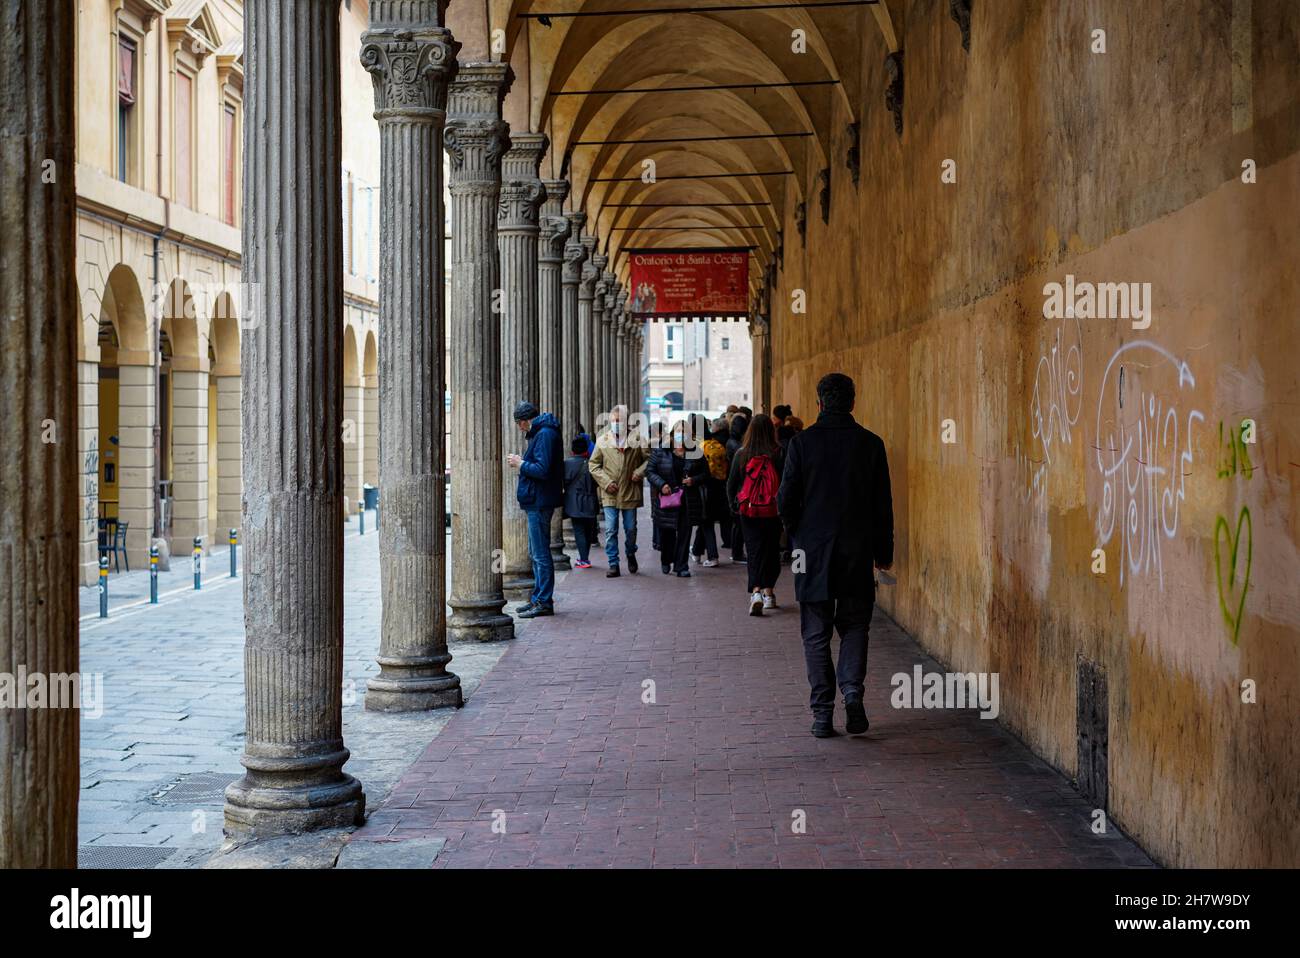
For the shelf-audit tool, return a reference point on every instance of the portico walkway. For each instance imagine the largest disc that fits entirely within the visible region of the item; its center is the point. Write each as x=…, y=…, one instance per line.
x=653, y=723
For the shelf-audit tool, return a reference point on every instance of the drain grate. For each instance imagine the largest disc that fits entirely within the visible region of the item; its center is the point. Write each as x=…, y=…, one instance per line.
x=121, y=856
x=197, y=788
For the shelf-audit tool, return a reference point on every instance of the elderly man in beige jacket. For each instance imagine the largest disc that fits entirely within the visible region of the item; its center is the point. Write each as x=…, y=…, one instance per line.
x=618, y=465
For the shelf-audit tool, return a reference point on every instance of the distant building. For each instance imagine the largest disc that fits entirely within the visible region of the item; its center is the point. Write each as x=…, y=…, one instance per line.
x=717, y=364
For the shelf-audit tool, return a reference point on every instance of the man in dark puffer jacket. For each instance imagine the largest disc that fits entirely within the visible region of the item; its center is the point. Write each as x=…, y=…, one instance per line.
x=540, y=491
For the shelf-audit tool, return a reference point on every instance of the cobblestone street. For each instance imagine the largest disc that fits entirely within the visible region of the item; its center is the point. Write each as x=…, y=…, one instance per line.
x=173, y=707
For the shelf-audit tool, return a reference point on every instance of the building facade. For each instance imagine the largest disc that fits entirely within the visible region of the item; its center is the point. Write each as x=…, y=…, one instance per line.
x=159, y=90
x=717, y=364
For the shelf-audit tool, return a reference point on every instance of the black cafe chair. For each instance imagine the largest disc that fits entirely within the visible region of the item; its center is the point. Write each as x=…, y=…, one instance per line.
x=117, y=547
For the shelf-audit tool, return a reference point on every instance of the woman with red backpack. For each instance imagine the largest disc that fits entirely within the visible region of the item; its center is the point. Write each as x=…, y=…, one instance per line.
x=752, y=487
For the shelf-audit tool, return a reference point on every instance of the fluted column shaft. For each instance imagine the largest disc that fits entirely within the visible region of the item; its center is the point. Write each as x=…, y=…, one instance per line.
x=553, y=231
x=292, y=362
x=476, y=140
x=411, y=61
x=619, y=358
x=39, y=533
x=624, y=388
x=517, y=232
x=587, y=336
x=575, y=259
x=605, y=342
x=600, y=303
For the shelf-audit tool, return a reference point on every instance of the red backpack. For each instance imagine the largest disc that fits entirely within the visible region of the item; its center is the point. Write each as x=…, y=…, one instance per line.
x=757, y=497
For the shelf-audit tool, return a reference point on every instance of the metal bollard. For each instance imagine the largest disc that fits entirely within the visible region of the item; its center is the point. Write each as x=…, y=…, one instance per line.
x=361, y=514
x=234, y=548
x=153, y=575
x=198, y=562
x=103, y=587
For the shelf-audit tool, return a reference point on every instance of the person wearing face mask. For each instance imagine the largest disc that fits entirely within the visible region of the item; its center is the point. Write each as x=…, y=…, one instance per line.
x=677, y=474
x=618, y=465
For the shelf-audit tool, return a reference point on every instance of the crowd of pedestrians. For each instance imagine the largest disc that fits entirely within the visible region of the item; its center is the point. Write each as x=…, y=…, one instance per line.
x=760, y=487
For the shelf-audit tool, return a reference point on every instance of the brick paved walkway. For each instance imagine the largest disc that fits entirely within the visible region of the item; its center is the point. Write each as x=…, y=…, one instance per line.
x=558, y=761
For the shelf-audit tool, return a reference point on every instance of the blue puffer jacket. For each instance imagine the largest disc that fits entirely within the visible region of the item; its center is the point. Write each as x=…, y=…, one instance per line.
x=541, y=474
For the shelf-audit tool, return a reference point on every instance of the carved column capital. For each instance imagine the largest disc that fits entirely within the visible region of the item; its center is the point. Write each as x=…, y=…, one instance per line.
x=477, y=138
x=587, y=281
x=522, y=191
x=410, y=70
x=575, y=253
x=554, y=231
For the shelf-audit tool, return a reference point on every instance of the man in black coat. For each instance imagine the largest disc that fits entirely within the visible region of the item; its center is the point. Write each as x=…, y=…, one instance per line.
x=836, y=505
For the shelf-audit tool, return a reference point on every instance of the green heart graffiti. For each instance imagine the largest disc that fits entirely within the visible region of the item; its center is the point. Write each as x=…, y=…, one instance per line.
x=1229, y=590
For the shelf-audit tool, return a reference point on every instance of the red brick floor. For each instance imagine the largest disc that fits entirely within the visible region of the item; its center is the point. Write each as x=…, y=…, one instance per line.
x=558, y=748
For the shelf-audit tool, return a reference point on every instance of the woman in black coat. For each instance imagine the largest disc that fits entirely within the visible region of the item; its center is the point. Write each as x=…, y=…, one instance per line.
x=674, y=468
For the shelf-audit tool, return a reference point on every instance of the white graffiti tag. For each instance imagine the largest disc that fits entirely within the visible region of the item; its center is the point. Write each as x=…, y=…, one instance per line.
x=1144, y=451
x=1053, y=413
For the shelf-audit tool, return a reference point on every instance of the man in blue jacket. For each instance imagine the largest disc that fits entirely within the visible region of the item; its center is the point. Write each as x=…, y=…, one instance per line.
x=540, y=491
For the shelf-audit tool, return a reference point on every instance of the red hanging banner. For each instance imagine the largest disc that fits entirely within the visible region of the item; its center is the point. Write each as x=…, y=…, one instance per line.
x=689, y=282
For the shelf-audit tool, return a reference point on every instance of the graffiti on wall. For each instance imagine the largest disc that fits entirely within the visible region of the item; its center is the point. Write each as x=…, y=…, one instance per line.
x=1232, y=549
x=1144, y=453
x=1233, y=542
x=90, y=496
x=1054, y=411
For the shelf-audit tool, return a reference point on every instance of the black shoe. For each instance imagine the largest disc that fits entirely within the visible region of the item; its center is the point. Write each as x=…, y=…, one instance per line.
x=668, y=570
x=613, y=572
x=523, y=608
x=631, y=563
x=684, y=574
x=823, y=727
x=857, y=717
x=537, y=610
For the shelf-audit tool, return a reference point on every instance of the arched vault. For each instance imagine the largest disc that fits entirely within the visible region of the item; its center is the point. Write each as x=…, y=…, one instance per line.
x=661, y=166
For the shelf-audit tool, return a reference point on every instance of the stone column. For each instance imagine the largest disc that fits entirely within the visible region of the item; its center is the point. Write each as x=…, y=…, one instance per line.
x=638, y=350
x=587, y=336
x=602, y=308
x=575, y=258
x=620, y=356
x=624, y=351
x=517, y=232
x=230, y=483
x=410, y=57
x=476, y=140
x=88, y=458
x=292, y=361
x=370, y=407
x=40, y=469
x=550, y=337
x=189, y=458
x=605, y=340
x=137, y=465
x=355, y=428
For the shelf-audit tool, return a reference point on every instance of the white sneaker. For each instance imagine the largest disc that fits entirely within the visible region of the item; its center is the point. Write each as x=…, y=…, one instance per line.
x=755, y=604
x=769, y=602
x=709, y=563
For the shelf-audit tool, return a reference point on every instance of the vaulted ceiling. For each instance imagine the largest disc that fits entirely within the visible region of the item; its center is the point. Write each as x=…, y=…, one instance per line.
x=721, y=175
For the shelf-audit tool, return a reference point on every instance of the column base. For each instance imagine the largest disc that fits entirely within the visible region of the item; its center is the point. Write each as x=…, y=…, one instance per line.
x=471, y=626
x=518, y=586
x=256, y=808
x=413, y=693
x=561, y=558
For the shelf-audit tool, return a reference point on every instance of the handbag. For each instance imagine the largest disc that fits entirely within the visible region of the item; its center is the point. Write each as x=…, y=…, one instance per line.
x=670, y=500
